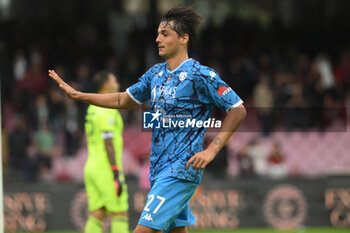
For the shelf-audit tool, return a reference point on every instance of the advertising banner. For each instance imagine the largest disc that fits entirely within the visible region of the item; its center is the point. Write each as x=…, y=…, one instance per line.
x=221, y=204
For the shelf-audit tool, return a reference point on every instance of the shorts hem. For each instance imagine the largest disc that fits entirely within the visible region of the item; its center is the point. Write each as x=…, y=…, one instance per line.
x=152, y=226
x=117, y=211
x=185, y=225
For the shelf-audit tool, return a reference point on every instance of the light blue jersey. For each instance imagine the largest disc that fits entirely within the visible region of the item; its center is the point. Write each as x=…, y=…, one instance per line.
x=189, y=91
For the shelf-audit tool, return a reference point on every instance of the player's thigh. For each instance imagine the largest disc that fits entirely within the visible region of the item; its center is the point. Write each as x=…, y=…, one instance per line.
x=99, y=214
x=115, y=203
x=179, y=230
x=104, y=182
x=95, y=201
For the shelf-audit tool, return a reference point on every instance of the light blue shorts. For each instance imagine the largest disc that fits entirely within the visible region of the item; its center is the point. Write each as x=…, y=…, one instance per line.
x=167, y=204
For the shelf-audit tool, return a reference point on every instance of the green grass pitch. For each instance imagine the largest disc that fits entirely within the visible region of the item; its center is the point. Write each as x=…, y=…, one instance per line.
x=252, y=230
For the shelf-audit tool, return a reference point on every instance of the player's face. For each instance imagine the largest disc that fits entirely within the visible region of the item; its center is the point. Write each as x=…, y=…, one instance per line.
x=168, y=40
x=113, y=83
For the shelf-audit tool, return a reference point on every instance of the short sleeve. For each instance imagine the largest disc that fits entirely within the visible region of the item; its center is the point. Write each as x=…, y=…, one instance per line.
x=211, y=89
x=106, y=120
x=140, y=92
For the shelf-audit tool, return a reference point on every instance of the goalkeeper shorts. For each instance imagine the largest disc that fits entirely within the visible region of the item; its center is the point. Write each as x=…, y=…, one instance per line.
x=100, y=188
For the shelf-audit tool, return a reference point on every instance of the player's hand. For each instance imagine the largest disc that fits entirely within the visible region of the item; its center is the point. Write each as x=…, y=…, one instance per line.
x=117, y=183
x=70, y=91
x=118, y=186
x=200, y=160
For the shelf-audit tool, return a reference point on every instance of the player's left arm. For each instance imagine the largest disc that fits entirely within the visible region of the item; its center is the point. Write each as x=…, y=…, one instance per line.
x=233, y=119
x=111, y=157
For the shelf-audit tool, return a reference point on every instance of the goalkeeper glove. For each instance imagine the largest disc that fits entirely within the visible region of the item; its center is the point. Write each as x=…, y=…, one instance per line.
x=117, y=182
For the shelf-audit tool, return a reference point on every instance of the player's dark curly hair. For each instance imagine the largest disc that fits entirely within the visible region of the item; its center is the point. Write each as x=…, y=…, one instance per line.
x=186, y=21
x=100, y=79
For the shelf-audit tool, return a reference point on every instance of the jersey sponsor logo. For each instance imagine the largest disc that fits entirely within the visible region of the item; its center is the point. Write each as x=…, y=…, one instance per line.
x=182, y=76
x=162, y=90
x=154, y=92
x=166, y=90
x=212, y=74
x=224, y=90
x=148, y=217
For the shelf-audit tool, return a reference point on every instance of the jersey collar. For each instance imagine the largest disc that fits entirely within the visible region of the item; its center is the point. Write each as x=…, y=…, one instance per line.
x=170, y=72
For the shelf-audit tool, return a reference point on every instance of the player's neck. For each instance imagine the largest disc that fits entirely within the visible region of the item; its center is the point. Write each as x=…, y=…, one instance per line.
x=173, y=62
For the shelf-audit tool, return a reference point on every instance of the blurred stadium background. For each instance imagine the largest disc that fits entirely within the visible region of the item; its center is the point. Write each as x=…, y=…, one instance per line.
x=288, y=167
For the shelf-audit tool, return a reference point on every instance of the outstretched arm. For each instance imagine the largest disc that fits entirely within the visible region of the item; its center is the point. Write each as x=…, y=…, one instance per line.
x=119, y=100
x=231, y=122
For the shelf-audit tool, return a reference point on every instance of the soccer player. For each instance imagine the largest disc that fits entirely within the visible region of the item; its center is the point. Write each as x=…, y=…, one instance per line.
x=104, y=181
x=183, y=86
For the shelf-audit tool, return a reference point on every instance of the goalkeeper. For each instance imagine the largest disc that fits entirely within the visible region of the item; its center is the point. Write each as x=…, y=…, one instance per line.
x=104, y=180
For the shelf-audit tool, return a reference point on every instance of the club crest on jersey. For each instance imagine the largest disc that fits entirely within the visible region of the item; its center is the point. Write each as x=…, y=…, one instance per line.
x=224, y=90
x=182, y=76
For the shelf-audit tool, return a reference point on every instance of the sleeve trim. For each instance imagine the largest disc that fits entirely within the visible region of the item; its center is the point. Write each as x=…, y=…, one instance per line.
x=235, y=105
x=133, y=97
x=107, y=135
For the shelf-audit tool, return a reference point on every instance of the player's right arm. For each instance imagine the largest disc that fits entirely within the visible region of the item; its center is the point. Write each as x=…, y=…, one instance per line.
x=120, y=100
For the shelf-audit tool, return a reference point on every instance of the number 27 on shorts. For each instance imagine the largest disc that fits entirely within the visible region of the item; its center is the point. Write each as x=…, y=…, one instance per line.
x=151, y=199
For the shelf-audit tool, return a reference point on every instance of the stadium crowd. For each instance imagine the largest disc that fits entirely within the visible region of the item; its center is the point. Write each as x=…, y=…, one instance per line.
x=287, y=82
